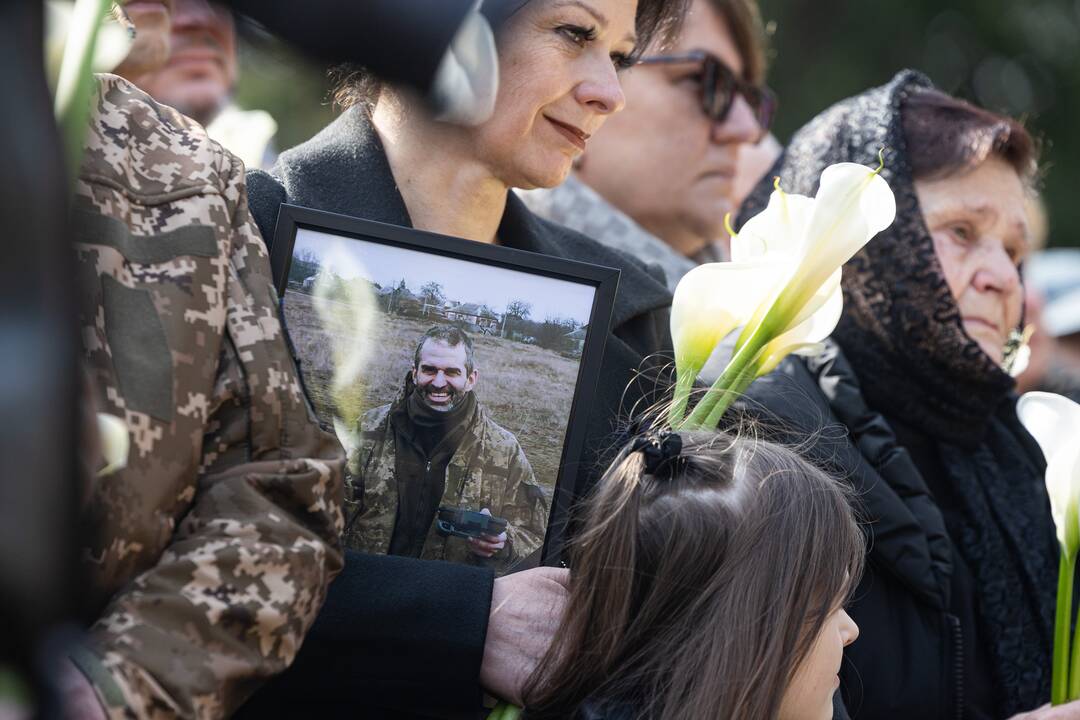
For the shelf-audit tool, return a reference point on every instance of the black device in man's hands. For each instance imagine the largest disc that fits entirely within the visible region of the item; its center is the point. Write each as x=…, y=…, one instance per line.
x=459, y=522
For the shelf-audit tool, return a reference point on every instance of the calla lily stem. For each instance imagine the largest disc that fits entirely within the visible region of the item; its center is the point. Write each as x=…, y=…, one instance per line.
x=1074, y=666
x=1060, y=683
x=684, y=383
x=75, y=85
x=723, y=392
x=505, y=711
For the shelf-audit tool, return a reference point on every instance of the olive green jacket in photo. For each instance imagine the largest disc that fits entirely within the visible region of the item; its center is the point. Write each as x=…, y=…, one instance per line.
x=487, y=470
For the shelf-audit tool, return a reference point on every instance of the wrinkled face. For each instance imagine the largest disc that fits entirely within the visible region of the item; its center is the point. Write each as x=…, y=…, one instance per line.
x=663, y=161
x=558, y=61
x=201, y=70
x=809, y=696
x=441, y=378
x=979, y=225
x=150, y=49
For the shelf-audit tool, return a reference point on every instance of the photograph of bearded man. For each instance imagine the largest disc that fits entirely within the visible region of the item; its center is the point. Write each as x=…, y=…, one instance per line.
x=436, y=446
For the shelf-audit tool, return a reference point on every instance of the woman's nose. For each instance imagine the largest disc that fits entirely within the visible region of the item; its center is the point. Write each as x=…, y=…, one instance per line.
x=602, y=91
x=848, y=629
x=740, y=125
x=997, y=272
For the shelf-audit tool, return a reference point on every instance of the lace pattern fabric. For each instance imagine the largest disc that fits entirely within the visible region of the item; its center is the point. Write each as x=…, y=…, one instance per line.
x=901, y=329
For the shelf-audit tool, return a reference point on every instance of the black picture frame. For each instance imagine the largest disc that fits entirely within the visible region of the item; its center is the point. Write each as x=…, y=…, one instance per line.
x=604, y=281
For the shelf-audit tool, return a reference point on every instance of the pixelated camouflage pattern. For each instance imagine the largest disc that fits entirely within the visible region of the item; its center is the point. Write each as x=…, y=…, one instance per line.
x=217, y=542
x=488, y=470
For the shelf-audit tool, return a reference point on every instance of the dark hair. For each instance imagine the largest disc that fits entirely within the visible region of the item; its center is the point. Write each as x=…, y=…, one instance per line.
x=947, y=136
x=743, y=18
x=453, y=337
x=699, y=595
x=656, y=21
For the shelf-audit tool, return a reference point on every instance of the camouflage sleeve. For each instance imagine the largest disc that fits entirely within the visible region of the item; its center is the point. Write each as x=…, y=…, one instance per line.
x=229, y=601
x=526, y=509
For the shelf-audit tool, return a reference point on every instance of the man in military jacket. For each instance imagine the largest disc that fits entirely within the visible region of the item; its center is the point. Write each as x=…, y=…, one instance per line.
x=436, y=446
x=215, y=545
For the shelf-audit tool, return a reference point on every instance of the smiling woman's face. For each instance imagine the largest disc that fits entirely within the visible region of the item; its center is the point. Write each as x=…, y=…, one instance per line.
x=558, y=64
x=979, y=224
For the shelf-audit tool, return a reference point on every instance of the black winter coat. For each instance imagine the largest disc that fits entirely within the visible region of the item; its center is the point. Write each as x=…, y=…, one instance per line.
x=912, y=656
x=401, y=634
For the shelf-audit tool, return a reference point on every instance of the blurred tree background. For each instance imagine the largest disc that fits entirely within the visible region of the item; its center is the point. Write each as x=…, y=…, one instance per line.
x=1022, y=58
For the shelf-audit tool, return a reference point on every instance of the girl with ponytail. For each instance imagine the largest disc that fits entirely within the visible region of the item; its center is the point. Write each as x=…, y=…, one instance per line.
x=708, y=581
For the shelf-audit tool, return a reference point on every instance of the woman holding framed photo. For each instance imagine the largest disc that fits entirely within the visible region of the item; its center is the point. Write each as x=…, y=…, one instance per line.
x=386, y=158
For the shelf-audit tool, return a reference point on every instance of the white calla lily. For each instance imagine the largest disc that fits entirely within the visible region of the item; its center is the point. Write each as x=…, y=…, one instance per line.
x=115, y=443
x=1054, y=422
x=345, y=304
x=711, y=301
x=807, y=337
x=113, y=42
x=807, y=241
x=852, y=205
x=776, y=231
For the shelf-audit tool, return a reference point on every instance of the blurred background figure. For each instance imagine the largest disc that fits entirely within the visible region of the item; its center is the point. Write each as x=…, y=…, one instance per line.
x=660, y=177
x=754, y=162
x=200, y=78
x=1053, y=307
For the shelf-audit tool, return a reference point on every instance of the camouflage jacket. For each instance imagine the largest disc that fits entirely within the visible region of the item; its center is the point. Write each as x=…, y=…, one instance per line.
x=216, y=544
x=488, y=470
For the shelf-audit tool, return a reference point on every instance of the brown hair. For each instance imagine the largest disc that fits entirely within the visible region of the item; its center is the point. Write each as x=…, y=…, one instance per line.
x=656, y=21
x=947, y=136
x=743, y=18
x=698, y=595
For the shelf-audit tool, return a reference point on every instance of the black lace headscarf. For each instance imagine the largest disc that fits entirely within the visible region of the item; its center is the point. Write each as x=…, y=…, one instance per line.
x=901, y=329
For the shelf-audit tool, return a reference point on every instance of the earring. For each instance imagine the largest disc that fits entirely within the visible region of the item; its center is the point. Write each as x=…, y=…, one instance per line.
x=1017, y=353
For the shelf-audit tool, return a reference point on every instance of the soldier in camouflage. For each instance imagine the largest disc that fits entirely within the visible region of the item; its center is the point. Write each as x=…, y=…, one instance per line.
x=436, y=446
x=215, y=545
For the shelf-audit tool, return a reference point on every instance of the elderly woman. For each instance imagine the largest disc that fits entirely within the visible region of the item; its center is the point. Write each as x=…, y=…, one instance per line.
x=957, y=603
x=387, y=159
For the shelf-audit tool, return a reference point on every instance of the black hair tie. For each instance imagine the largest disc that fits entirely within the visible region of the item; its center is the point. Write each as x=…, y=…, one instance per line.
x=662, y=451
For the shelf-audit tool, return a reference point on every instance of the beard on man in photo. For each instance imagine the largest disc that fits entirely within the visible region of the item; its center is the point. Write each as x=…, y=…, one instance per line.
x=435, y=446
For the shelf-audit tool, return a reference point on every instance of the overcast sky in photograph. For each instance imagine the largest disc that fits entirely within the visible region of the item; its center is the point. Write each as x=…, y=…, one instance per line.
x=462, y=280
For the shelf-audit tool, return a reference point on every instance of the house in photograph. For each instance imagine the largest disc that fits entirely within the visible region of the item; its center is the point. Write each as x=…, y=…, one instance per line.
x=576, y=340
x=477, y=315
x=398, y=300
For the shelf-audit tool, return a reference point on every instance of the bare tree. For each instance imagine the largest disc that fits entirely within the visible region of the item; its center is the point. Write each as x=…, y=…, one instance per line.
x=519, y=309
x=432, y=293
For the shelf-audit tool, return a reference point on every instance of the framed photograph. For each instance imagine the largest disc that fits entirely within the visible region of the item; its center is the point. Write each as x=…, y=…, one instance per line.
x=457, y=375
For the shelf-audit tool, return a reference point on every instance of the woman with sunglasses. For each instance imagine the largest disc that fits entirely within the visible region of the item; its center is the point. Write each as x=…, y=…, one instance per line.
x=659, y=179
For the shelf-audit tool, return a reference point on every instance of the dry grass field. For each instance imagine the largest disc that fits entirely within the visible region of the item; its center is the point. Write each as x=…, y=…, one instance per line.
x=526, y=389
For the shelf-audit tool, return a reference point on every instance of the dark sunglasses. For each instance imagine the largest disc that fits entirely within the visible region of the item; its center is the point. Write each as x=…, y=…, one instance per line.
x=719, y=86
